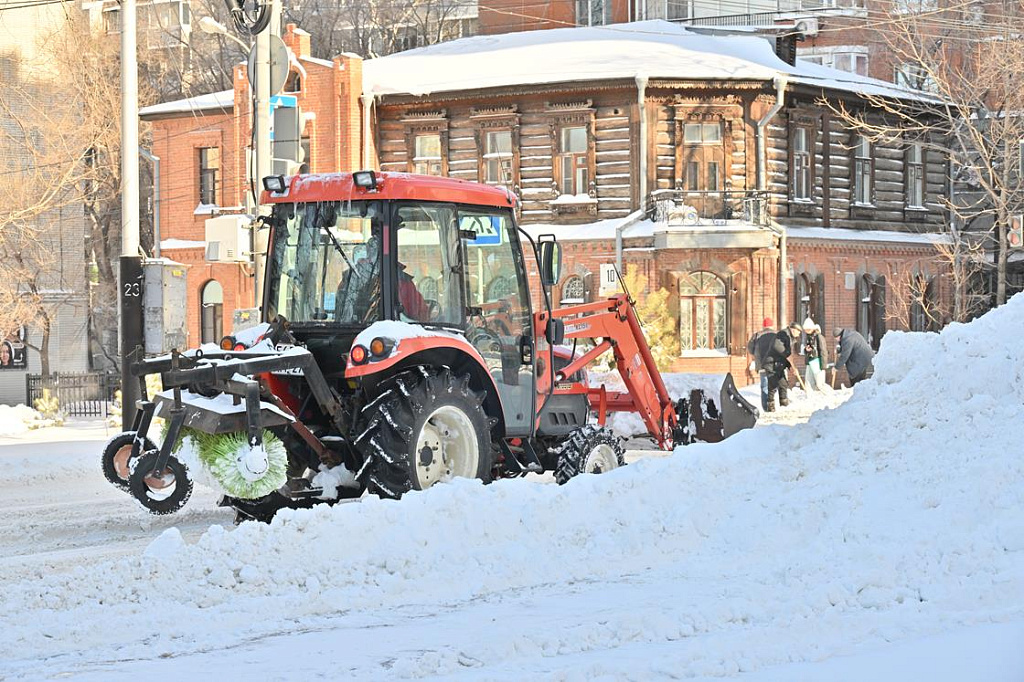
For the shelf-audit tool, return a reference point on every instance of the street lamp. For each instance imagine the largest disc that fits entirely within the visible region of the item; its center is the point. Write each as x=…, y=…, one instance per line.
x=214, y=27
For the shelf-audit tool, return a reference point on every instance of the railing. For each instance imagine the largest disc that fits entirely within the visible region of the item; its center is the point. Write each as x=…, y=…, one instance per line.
x=84, y=394
x=682, y=207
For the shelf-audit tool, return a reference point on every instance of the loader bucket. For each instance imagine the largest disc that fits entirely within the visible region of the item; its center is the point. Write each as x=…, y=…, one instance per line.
x=702, y=419
x=737, y=412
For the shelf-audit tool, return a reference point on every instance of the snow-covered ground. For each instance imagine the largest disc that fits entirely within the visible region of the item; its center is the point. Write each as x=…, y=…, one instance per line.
x=879, y=538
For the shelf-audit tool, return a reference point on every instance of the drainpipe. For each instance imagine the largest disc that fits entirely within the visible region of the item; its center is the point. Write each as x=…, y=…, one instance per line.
x=762, y=186
x=155, y=160
x=367, y=101
x=641, y=97
x=631, y=219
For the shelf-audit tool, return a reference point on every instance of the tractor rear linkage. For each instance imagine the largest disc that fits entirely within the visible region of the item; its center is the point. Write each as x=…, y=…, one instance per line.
x=226, y=374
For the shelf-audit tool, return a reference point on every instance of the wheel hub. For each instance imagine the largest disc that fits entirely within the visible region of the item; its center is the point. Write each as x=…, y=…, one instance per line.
x=160, y=480
x=601, y=458
x=447, y=446
x=121, y=458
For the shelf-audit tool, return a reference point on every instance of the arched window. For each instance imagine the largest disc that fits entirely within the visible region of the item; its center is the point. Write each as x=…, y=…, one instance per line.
x=211, y=301
x=573, y=290
x=871, y=309
x=810, y=298
x=702, y=312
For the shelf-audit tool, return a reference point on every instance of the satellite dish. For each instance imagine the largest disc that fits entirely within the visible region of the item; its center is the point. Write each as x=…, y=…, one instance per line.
x=279, y=65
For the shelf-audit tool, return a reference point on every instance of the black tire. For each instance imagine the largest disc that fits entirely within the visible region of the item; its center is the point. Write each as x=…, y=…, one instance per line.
x=151, y=498
x=396, y=420
x=116, y=463
x=588, y=449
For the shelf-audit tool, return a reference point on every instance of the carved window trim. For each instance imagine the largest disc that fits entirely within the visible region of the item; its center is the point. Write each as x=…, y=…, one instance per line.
x=692, y=113
x=806, y=125
x=419, y=123
x=496, y=120
x=571, y=115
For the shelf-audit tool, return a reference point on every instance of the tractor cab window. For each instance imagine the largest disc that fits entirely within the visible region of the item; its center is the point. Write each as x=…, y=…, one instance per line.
x=428, y=289
x=497, y=304
x=325, y=263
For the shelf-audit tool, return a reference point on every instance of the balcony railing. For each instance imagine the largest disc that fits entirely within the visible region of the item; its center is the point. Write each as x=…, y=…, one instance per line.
x=705, y=208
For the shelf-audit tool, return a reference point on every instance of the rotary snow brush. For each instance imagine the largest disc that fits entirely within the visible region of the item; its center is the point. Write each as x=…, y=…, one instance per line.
x=241, y=469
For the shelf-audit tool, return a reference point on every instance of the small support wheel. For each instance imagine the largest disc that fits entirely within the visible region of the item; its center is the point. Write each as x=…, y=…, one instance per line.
x=161, y=492
x=117, y=456
x=588, y=450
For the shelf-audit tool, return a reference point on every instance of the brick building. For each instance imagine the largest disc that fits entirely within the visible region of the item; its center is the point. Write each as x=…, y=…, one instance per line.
x=699, y=159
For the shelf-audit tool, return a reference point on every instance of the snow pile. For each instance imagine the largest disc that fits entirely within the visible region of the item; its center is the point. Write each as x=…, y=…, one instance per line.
x=16, y=420
x=897, y=514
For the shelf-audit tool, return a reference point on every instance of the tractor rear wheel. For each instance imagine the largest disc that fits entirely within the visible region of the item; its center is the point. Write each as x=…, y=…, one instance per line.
x=117, y=454
x=429, y=426
x=588, y=450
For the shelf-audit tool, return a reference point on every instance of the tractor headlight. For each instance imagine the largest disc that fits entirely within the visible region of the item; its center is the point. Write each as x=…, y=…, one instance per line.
x=227, y=343
x=274, y=183
x=365, y=179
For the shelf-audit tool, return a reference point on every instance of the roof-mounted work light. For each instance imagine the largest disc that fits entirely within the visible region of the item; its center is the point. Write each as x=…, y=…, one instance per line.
x=274, y=183
x=366, y=179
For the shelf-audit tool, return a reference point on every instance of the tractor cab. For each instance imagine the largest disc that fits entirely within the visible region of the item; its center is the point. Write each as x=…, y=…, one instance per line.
x=389, y=256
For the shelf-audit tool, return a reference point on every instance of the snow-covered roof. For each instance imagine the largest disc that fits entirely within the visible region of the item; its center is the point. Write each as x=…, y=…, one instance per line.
x=843, y=234
x=223, y=100
x=655, y=49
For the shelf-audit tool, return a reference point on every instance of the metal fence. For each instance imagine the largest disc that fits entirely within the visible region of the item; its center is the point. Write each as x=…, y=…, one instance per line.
x=79, y=394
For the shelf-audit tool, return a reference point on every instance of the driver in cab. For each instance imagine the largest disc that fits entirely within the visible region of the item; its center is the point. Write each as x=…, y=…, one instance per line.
x=409, y=297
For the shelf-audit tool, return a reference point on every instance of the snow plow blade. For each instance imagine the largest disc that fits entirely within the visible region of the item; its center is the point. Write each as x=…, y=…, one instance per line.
x=702, y=419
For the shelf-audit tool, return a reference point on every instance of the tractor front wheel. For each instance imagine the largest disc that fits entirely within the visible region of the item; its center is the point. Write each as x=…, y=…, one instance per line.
x=588, y=450
x=429, y=426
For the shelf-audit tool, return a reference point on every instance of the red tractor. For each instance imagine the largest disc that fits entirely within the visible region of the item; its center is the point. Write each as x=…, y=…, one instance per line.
x=402, y=342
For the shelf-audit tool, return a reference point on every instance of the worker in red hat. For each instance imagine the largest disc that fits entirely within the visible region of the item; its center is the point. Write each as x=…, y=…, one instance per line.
x=767, y=328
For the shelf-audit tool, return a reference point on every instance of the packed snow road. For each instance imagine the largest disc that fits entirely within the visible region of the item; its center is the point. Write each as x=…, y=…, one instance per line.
x=886, y=529
x=57, y=511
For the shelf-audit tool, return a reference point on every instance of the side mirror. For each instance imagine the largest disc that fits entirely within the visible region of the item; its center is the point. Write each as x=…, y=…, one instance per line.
x=550, y=257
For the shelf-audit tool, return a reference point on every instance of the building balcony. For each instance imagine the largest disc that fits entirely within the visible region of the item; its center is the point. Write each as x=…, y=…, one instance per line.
x=709, y=220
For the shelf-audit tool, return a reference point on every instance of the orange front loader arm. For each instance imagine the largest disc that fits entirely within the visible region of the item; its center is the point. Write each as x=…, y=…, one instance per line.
x=614, y=325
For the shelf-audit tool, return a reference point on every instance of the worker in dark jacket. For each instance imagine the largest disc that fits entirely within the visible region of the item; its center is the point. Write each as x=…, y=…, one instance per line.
x=771, y=355
x=755, y=363
x=854, y=353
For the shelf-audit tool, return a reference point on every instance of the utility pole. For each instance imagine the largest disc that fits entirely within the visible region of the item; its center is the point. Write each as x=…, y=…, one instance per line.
x=264, y=154
x=130, y=270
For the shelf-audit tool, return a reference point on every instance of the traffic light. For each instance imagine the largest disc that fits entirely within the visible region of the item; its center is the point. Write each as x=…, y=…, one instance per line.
x=1015, y=235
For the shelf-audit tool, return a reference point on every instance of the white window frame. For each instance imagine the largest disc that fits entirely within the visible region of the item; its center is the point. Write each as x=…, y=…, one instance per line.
x=423, y=164
x=863, y=172
x=826, y=56
x=501, y=160
x=913, y=77
x=802, y=164
x=915, y=176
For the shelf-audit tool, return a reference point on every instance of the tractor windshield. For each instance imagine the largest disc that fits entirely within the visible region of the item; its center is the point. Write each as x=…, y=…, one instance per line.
x=325, y=263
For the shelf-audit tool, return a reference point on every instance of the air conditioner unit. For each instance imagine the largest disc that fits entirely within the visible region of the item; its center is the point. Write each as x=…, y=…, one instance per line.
x=808, y=27
x=227, y=238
